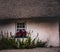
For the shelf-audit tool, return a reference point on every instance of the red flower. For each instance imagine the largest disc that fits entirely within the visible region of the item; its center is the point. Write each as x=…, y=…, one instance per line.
x=21, y=33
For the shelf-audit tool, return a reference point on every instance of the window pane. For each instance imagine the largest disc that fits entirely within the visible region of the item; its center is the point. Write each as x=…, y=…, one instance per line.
x=17, y=26
x=20, y=25
x=23, y=26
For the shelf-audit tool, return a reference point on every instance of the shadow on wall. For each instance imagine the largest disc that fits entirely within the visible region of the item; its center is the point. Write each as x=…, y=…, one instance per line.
x=44, y=19
x=6, y=21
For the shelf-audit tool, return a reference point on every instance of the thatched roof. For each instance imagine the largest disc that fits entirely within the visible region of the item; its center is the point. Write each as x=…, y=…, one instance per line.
x=29, y=8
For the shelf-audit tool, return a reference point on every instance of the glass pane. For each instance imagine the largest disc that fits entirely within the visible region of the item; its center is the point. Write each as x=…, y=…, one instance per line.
x=17, y=26
x=23, y=26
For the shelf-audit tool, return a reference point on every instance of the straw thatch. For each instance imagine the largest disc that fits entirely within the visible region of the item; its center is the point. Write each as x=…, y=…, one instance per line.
x=29, y=8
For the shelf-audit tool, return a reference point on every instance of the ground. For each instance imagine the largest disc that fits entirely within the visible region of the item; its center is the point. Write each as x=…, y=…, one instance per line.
x=34, y=50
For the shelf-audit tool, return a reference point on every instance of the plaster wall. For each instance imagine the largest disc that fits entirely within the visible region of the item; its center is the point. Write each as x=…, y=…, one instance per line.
x=10, y=27
x=47, y=31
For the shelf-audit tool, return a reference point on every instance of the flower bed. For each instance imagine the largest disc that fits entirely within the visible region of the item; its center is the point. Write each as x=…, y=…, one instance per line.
x=11, y=43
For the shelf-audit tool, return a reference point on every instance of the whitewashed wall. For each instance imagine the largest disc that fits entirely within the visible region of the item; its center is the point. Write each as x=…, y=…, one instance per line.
x=8, y=28
x=46, y=30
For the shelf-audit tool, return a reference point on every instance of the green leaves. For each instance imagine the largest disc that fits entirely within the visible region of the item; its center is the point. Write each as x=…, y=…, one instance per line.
x=41, y=44
x=8, y=44
x=11, y=43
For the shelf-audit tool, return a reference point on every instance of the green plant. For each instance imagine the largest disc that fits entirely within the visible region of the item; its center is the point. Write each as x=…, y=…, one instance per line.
x=11, y=43
x=41, y=44
x=8, y=43
x=22, y=44
x=25, y=43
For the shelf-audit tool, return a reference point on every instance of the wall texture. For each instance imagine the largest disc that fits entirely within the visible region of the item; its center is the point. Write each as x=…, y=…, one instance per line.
x=8, y=28
x=45, y=30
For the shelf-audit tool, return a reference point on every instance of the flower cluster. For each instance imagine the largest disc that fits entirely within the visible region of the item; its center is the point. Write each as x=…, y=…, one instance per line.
x=21, y=33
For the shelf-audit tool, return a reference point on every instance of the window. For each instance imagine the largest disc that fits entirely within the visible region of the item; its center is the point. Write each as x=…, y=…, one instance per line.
x=20, y=30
